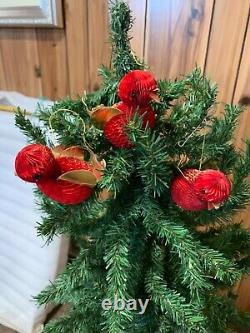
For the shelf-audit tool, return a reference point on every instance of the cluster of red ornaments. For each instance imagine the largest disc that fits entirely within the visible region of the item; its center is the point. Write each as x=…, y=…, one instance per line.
x=63, y=175
x=193, y=190
x=196, y=190
x=135, y=90
x=53, y=172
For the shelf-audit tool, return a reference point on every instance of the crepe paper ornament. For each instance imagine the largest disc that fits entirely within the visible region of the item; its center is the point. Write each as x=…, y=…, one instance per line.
x=102, y=114
x=196, y=190
x=182, y=191
x=148, y=116
x=76, y=180
x=213, y=187
x=124, y=108
x=115, y=128
x=60, y=173
x=66, y=164
x=115, y=131
x=81, y=177
x=34, y=162
x=63, y=151
x=77, y=152
x=66, y=188
x=138, y=88
x=146, y=111
x=64, y=192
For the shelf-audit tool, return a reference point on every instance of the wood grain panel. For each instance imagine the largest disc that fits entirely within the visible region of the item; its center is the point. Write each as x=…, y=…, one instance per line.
x=21, y=61
x=98, y=36
x=176, y=35
x=138, y=8
x=76, y=24
x=3, y=84
x=242, y=91
x=225, y=45
x=53, y=63
x=242, y=95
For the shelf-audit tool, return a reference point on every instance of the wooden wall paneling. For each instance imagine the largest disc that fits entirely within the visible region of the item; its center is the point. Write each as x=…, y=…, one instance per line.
x=242, y=91
x=98, y=39
x=3, y=84
x=177, y=33
x=225, y=44
x=76, y=26
x=243, y=300
x=21, y=61
x=242, y=95
x=53, y=63
x=138, y=8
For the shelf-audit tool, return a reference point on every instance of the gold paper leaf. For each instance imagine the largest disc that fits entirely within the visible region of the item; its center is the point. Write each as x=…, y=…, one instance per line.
x=80, y=177
x=74, y=151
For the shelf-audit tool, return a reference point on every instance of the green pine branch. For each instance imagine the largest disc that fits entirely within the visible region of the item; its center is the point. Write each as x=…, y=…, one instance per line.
x=34, y=133
x=74, y=322
x=74, y=220
x=67, y=286
x=123, y=59
x=231, y=239
x=171, y=304
x=196, y=260
x=151, y=158
x=118, y=171
x=118, y=267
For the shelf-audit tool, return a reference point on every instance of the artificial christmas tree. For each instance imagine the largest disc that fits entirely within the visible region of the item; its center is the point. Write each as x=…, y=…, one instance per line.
x=158, y=249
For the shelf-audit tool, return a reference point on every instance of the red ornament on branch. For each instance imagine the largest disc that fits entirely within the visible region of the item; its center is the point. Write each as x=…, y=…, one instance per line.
x=138, y=88
x=146, y=111
x=196, y=190
x=34, y=162
x=61, y=189
x=135, y=90
x=114, y=119
x=115, y=130
x=61, y=173
x=213, y=187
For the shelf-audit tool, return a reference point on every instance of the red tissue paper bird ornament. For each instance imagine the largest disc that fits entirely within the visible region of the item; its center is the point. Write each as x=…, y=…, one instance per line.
x=34, y=162
x=196, y=190
x=60, y=173
x=64, y=191
x=115, y=132
x=146, y=112
x=113, y=121
x=114, y=129
x=138, y=88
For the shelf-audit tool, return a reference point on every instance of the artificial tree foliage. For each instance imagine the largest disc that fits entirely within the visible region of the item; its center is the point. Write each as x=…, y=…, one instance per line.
x=137, y=244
